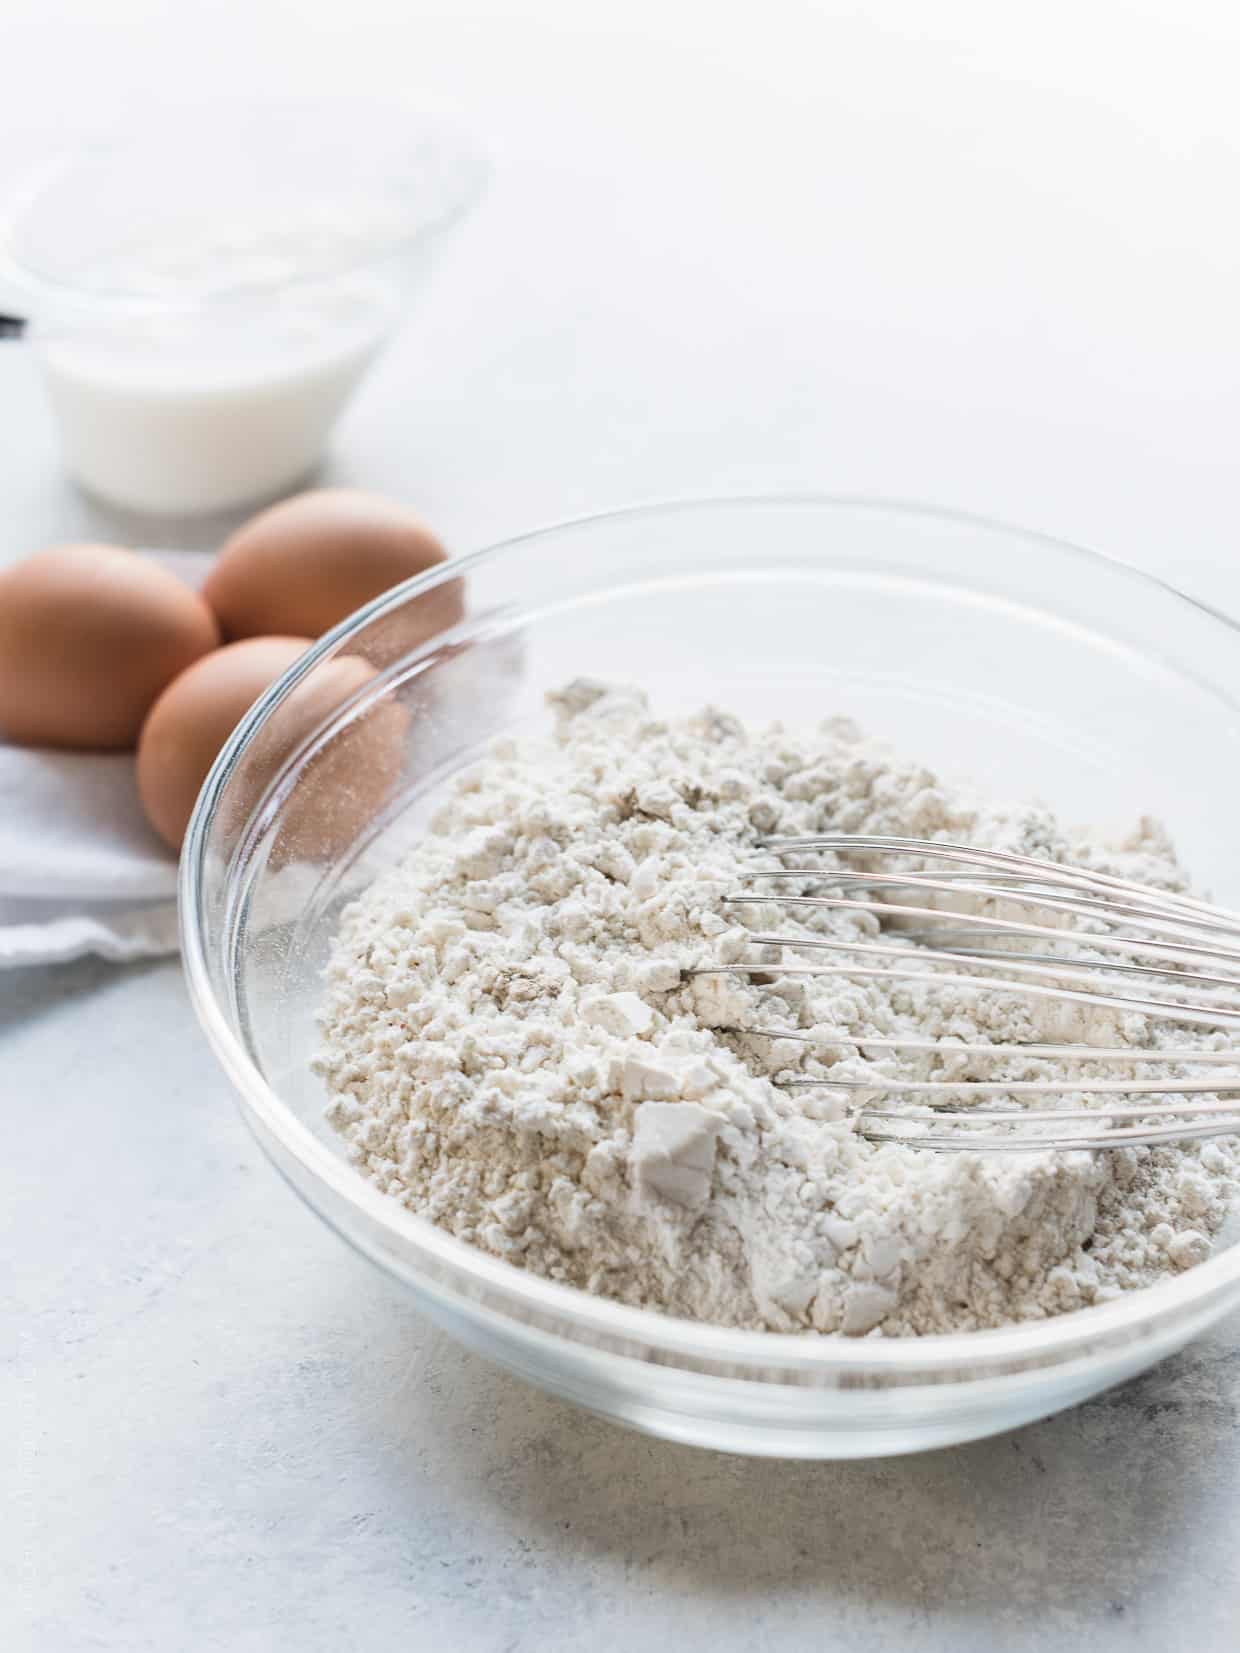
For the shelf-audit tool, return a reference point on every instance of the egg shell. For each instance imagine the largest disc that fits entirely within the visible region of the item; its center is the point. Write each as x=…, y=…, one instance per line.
x=343, y=783
x=302, y=566
x=89, y=637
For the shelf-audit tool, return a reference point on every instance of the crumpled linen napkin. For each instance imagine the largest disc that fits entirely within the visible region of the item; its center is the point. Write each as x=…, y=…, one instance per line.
x=80, y=870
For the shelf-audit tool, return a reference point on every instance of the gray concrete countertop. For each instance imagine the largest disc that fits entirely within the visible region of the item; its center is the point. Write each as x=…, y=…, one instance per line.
x=895, y=249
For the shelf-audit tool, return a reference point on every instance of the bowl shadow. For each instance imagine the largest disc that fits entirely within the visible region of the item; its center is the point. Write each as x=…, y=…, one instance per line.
x=1088, y=1516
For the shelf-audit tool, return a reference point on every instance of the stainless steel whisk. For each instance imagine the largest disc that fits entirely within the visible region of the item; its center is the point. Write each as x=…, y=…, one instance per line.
x=1053, y=933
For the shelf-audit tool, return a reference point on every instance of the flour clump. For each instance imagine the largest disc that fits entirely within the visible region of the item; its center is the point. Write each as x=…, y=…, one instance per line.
x=514, y=1047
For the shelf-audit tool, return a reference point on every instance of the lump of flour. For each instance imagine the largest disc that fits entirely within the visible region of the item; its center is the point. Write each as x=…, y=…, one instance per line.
x=513, y=1048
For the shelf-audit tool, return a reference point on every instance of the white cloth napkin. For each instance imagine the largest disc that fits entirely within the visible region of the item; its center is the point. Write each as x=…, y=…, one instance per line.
x=80, y=869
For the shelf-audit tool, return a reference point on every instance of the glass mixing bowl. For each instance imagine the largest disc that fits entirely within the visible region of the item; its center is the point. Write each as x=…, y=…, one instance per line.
x=1034, y=667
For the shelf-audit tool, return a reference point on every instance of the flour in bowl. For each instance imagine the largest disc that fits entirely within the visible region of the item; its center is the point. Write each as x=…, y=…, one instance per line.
x=513, y=1050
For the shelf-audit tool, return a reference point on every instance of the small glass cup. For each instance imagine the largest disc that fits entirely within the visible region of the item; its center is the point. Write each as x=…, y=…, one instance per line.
x=206, y=289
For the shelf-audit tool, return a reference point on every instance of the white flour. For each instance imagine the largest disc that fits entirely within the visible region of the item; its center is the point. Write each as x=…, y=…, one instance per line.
x=512, y=1050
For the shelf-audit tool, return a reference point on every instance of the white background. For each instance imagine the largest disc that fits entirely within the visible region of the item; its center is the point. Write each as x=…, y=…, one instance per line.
x=981, y=254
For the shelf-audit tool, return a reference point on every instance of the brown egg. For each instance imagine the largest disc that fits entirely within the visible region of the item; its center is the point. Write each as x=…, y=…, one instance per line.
x=89, y=636
x=343, y=784
x=301, y=566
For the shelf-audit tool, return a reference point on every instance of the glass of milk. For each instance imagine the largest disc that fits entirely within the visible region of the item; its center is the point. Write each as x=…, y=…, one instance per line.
x=205, y=290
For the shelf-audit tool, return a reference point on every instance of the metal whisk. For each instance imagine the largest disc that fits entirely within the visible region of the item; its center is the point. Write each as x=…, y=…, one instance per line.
x=1012, y=923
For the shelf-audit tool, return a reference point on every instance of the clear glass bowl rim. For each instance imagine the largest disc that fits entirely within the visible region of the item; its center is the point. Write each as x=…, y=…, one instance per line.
x=38, y=285
x=578, y=1315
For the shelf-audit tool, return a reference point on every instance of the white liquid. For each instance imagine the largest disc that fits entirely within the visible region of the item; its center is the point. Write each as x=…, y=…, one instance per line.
x=186, y=415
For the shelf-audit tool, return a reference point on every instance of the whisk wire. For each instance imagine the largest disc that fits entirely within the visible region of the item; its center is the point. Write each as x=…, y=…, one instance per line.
x=1186, y=946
